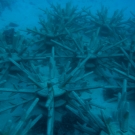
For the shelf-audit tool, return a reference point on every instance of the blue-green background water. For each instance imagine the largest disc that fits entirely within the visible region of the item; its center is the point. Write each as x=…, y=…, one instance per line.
x=26, y=12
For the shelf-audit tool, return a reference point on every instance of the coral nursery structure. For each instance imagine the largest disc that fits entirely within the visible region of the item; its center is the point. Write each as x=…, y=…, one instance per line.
x=75, y=76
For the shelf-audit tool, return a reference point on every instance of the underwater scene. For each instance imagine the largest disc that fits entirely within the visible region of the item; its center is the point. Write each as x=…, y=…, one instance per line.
x=67, y=67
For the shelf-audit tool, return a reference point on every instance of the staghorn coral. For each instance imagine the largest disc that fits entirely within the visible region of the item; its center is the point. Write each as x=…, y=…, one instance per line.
x=131, y=23
x=108, y=25
x=32, y=75
x=62, y=18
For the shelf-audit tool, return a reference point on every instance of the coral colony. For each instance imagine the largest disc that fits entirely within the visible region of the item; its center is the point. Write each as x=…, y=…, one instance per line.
x=75, y=76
